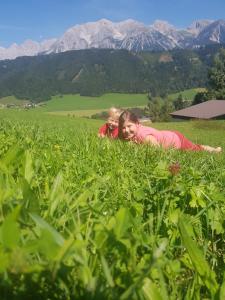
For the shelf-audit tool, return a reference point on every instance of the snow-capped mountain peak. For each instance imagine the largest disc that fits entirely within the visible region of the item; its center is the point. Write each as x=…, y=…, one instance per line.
x=129, y=34
x=197, y=26
x=163, y=26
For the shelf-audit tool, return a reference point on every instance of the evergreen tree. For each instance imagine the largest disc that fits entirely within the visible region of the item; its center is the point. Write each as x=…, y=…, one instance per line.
x=166, y=108
x=159, y=109
x=150, y=98
x=200, y=97
x=179, y=102
x=153, y=109
x=217, y=76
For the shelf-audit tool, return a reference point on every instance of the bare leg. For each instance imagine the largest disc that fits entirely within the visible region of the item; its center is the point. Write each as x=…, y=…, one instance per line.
x=211, y=149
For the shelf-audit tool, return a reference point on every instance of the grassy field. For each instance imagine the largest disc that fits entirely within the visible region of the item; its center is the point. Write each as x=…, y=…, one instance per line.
x=77, y=102
x=74, y=103
x=81, y=105
x=187, y=94
x=77, y=113
x=89, y=218
x=13, y=100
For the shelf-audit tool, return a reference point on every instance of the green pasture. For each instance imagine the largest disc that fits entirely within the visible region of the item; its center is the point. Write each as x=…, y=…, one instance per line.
x=86, y=106
x=83, y=217
x=81, y=103
x=77, y=102
x=13, y=100
x=76, y=113
x=187, y=94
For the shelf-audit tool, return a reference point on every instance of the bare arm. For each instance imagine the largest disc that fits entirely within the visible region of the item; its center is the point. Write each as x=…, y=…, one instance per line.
x=101, y=135
x=150, y=139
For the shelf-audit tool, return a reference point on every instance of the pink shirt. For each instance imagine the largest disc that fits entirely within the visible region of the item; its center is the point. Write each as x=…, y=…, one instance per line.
x=166, y=138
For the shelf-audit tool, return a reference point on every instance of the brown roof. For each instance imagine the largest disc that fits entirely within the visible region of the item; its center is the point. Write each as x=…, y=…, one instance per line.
x=206, y=110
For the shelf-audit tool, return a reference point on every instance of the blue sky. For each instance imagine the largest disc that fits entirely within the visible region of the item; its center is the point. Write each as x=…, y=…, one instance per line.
x=44, y=19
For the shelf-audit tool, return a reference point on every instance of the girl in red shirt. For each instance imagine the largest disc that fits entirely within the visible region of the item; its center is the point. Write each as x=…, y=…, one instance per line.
x=110, y=128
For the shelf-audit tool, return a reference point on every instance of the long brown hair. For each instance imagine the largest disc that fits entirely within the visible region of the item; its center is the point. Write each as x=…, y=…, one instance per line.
x=126, y=116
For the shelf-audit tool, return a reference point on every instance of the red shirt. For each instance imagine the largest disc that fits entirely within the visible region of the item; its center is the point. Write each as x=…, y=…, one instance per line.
x=106, y=131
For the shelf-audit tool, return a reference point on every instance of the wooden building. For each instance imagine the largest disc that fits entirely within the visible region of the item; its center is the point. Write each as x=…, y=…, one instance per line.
x=212, y=109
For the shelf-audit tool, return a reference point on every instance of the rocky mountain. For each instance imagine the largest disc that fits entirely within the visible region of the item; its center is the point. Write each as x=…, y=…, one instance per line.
x=212, y=33
x=129, y=34
x=196, y=27
x=28, y=48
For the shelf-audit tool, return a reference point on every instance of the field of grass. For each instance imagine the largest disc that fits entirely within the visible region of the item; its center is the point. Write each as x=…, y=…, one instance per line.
x=77, y=102
x=89, y=218
x=86, y=106
x=187, y=94
x=13, y=100
x=76, y=113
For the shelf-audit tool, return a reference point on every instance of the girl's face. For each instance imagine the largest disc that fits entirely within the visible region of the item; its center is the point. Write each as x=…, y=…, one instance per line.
x=113, y=123
x=129, y=130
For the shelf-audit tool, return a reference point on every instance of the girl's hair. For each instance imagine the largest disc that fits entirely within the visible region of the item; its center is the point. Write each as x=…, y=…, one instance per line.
x=126, y=116
x=114, y=113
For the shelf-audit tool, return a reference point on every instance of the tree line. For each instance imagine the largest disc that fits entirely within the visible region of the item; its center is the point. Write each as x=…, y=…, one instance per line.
x=93, y=72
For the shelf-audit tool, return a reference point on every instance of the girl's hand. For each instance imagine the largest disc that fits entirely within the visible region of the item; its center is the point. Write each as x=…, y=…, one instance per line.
x=150, y=139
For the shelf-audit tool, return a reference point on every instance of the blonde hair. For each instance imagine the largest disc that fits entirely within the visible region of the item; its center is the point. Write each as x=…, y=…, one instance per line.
x=114, y=113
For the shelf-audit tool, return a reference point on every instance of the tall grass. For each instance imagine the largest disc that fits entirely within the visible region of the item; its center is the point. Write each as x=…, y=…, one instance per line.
x=89, y=218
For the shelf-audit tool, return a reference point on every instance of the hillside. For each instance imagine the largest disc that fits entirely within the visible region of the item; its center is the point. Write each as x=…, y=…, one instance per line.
x=94, y=72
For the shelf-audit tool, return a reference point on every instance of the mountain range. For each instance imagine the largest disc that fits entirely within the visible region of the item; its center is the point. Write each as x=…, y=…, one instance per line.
x=128, y=34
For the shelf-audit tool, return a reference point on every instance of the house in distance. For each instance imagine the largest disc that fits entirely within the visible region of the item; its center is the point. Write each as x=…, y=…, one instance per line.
x=212, y=109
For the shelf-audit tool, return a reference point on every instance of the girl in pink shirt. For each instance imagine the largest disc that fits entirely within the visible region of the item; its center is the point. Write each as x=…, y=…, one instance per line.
x=130, y=129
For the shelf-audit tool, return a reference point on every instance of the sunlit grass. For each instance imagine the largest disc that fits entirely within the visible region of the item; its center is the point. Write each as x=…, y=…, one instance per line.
x=89, y=218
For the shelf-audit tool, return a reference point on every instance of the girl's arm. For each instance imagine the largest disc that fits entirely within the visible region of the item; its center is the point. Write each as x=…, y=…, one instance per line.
x=101, y=135
x=102, y=131
x=150, y=139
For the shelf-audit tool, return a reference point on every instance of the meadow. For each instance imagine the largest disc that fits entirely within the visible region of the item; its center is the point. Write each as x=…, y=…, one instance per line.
x=187, y=94
x=89, y=218
x=86, y=106
x=77, y=102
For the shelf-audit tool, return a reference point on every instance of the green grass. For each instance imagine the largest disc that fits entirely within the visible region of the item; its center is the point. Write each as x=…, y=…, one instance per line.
x=13, y=100
x=187, y=94
x=77, y=102
x=89, y=218
x=76, y=113
x=86, y=106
